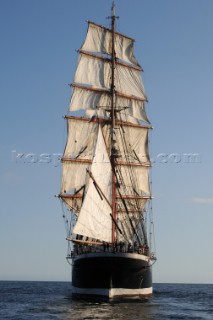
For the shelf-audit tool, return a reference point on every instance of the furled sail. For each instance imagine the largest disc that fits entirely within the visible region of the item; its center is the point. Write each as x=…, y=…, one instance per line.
x=94, y=219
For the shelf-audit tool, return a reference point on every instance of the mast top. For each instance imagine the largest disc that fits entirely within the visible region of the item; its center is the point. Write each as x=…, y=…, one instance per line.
x=113, y=8
x=113, y=16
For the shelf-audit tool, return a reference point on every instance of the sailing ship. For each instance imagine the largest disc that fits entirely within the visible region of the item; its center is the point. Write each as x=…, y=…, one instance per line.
x=105, y=189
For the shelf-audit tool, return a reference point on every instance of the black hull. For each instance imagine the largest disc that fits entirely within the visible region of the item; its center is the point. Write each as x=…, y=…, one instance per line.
x=111, y=275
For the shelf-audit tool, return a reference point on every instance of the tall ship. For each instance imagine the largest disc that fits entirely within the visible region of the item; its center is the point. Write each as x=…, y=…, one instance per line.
x=106, y=187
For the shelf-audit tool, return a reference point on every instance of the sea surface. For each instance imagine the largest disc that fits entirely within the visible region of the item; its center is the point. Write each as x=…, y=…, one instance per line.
x=52, y=300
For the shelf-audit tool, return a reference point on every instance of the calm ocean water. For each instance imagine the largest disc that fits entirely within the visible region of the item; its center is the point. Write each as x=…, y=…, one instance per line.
x=52, y=300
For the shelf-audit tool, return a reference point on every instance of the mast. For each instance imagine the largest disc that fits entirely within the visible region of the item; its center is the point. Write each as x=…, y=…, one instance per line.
x=113, y=59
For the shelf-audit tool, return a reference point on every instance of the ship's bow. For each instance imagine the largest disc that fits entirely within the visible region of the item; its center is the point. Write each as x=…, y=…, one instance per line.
x=111, y=275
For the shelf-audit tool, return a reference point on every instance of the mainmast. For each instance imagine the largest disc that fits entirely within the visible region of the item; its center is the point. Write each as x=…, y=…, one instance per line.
x=113, y=139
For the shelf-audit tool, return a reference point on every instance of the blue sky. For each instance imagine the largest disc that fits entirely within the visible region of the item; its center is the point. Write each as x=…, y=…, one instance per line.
x=38, y=59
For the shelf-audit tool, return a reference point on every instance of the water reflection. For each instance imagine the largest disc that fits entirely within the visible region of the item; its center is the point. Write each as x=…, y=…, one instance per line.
x=85, y=310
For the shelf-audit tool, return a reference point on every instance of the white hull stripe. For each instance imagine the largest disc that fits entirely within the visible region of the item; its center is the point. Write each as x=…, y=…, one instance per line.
x=114, y=292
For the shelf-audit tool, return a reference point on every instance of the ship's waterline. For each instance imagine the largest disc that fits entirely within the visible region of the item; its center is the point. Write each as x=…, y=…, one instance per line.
x=112, y=293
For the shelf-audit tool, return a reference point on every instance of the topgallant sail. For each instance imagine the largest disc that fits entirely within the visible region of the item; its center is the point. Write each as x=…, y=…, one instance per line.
x=105, y=185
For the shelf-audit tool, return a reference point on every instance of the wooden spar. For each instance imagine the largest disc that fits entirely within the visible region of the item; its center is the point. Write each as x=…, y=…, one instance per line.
x=133, y=125
x=117, y=93
x=133, y=197
x=99, y=189
x=69, y=196
x=129, y=211
x=117, y=122
x=84, y=241
x=116, y=224
x=119, y=163
x=133, y=164
x=94, y=55
x=74, y=85
x=76, y=196
x=130, y=66
x=76, y=160
x=73, y=196
x=120, y=94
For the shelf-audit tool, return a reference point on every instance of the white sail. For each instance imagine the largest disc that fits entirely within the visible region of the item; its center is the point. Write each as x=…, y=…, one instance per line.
x=133, y=108
x=128, y=81
x=96, y=102
x=78, y=154
x=94, y=219
x=132, y=143
x=88, y=99
x=93, y=71
x=74, y=175
x=136, y=176
x=81, y=138
x=99, y=39
x=96, y=72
